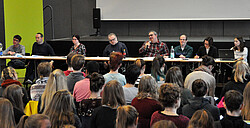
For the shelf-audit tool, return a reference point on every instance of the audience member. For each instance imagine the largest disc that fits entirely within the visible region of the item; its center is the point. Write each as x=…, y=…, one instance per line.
x=57, y=81
x=82, y=87
x=240, y=51
x=36, y=90
x=77, y=63
x=105, y=115
x=233, y=101
x=14, y=94
x=7, y=119
x=174, y=75
x=157, y=69
x=208, y=49
x=146, y=102
x=77, y=48
x=127, y=117
x=154, y=46
x=203, y=72
x=61, y=110
x=201, y=119
x=86, y=107
x=169, y=96
x=199, y=90
x=164, y=124
x=246, y=103
x=68, y=61
x=115, y=62
x=131, y=75
x=115, y=46
x=183, y=50
x=34, y=121
x=142, y=65
x=240, y=78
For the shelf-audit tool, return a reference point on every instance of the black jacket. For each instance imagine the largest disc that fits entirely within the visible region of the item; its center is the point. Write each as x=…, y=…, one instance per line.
x=212, y=51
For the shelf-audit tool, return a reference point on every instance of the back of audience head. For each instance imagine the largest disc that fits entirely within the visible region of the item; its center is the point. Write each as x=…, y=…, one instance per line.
x=147, y=88
x=113, y=94
x=164, y=124
x=68, y=126
x=157, y=64
x=199, y=88
x=169, y=95
x=69, y=57
x=96, y=82
x=246, y=103
x=92, y=66
x=208, y=61
x=140, y=63
x=77, y=62
x=34, y=121
x=115, y=60
x=132, y=73
x=7, y=119
x=14, y=94
x=60, y=109
x=9, y=73
x=233, y=100
x=201, y=119
x=57, y=81
x=44, y=69
x=127, y=117
x=174, y=75
x=241, y=70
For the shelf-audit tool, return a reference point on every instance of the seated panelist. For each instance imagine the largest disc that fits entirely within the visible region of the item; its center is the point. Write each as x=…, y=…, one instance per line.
x=207, y=49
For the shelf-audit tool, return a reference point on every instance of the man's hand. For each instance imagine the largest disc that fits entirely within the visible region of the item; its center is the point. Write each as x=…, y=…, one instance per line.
x=147, y=44
x=181, y=56
x=11, y=53
x=196, y=57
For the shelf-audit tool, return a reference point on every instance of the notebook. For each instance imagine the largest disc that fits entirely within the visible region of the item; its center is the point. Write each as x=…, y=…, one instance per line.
x=226, y=54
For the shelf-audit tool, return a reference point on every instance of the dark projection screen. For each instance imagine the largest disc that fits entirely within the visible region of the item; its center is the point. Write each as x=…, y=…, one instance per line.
x=174, y=9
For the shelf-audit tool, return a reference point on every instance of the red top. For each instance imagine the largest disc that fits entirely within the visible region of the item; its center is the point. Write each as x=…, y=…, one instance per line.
x=145, y=107
x=68, y=72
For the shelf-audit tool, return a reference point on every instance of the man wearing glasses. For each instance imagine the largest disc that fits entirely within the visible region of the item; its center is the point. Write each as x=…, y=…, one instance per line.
x=115, y=46
x=154, y=47
x=207, y=49
x=183, y=50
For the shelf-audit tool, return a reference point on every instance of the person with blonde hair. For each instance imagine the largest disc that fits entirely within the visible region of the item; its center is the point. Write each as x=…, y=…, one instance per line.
x=239, y=79
x=127, y=117
x=57, y=81
x=146, y=102
x=34, y=121
x=7, y=119
x=201, y=119
x=104, y=116
x=246, y=103
x=61, y=110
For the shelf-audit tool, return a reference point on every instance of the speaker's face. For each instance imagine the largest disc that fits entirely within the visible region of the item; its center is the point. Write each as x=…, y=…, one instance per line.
x=236, y=42
x=152, y=37
x=74, y=40
x=112, y=39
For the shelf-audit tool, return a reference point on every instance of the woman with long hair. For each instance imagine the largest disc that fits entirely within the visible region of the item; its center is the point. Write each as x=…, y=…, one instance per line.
x=7, y=119
x=61, y=110
x=246, y=103
x=77, y=48
x=142, y=65
x=57, y=81
x=105, y=115
x=158, y=67
x=240, y=51
x=127, y=117
x=201, y=119
x=146, y=102
x=14, y=94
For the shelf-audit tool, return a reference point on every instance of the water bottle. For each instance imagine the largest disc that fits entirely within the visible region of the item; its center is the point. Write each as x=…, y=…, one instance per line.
x=172, y=52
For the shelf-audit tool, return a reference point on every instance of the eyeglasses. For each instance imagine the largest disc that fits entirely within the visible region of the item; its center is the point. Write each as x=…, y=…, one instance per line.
x=206, y=44
x=183, y=39
x=112, y=40
x=16, y=40
x=150, y=35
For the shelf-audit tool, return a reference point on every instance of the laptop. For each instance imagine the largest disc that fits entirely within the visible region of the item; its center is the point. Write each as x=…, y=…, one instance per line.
x=226, y=54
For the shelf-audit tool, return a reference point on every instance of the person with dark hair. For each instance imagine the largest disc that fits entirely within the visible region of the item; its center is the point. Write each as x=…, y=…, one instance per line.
x=7, y=119
x=199, y=90
x=14, y=94
x=164, y=124
x=203, y=72
x=183, y=50
x=154, y=46
x=68, y=61
x=36, y=90
x=157, y=69
x=142, y=65
x=82, y=87
x=115, y=46
x=104, y=116
x=86, y=107
x=13, y=50
x=169, y=96
x=77, y=63
x=131, y=75
x=34, y=121
x=240, y=51
x=201, y=119
x=40, y=48
x=78, y=47
x=207, y=49
x=233, y=102
x=115, y=62
x=127, y=117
